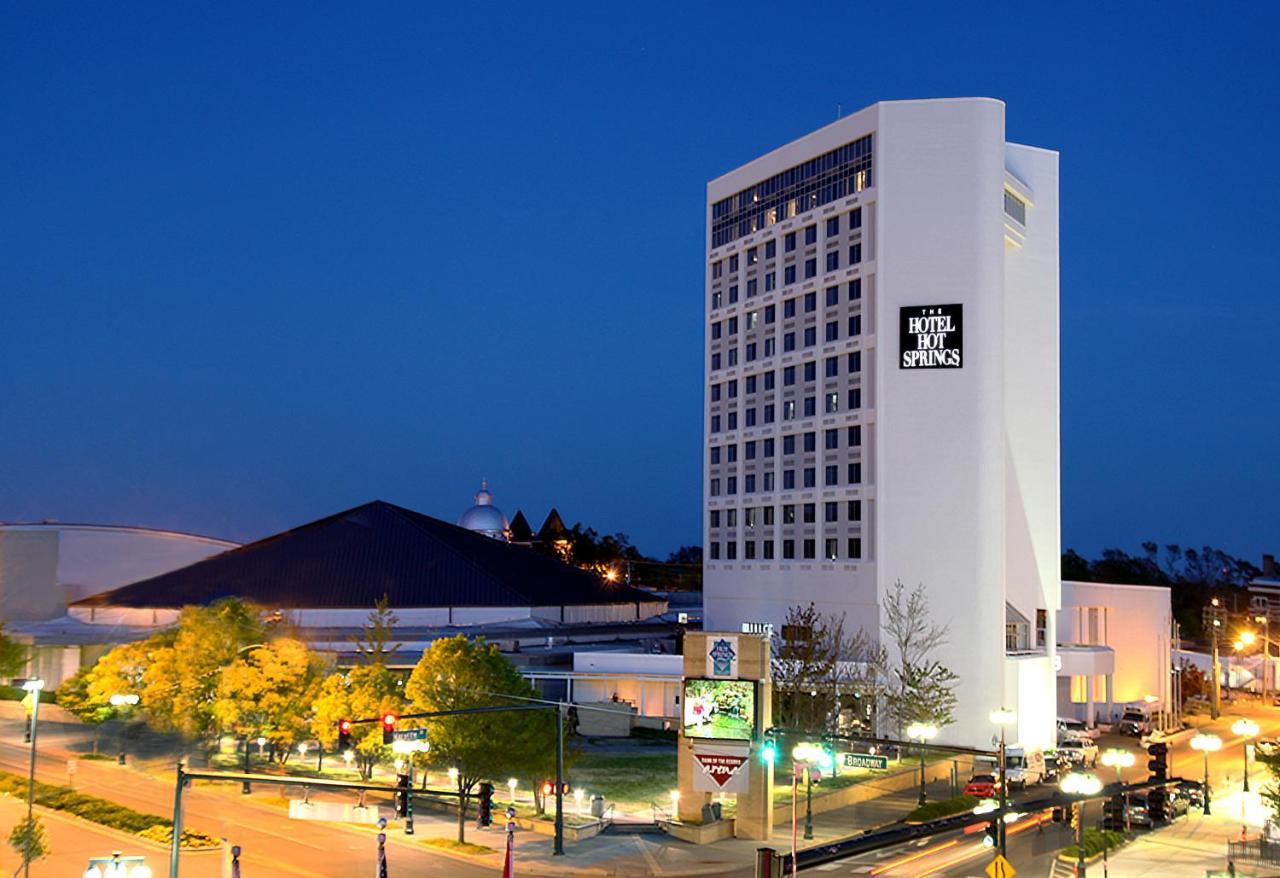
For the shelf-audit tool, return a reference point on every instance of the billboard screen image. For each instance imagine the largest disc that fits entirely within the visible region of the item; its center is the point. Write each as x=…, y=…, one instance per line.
x=719, y=709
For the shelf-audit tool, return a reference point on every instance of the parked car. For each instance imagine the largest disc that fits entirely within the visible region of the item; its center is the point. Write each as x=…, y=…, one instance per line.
x=1074, y=729
x=1192, y=791
x=1175, y=806
x=1082, y=753
x=982, y=786
x=1135, y=722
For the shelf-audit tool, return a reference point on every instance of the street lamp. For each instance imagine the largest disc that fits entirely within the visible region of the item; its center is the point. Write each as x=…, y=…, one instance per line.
x=117, y=866
x=802, y=757
x=1265, y=622
x=1120, y=760
x=1082, y=786
x=1003, y=717
x=511, y=788
x=32, y=686
x=1206, y=744
x=922, y=732
x=1245, y=728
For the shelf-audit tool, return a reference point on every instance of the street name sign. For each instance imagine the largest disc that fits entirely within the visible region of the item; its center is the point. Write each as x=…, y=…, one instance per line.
x=865, y=760
x=409, y=735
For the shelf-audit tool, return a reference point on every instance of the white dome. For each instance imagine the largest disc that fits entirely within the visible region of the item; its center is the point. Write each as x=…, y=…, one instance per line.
x=484, y=517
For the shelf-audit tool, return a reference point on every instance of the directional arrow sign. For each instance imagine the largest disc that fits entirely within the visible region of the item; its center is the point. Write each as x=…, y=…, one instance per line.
x=1001, y=868
x=865, y=760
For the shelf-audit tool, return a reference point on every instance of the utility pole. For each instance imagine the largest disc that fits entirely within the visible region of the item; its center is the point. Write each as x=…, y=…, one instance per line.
x=1213, y=616
x=1266, y=650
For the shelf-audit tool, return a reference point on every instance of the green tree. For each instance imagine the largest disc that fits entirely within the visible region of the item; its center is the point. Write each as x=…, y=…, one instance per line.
x=817, y=668
x=13, y=655
x=362, y=692
x=457, y=673
x=74, y=696
x=917, y=688
x=374, y=643
x=270, y=692
x=29, y=841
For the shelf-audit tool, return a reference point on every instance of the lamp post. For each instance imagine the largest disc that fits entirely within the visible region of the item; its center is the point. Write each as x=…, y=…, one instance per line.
x=1245, y=728
x=1265, y=622
x=511, y=788
x=1120, y=760
x=1003, y=718
x=1081, y=786
x=922, y=732
x=33, y=686
x=1206, y=744
x=1215, y=615
x=802, y=757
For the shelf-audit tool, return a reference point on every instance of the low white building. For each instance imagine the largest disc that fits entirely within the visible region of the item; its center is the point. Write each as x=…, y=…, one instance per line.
x=1114, y=649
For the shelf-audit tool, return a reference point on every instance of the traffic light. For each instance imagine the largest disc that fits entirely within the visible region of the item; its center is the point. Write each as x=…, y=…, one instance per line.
x=769, y=749
x=549, y=788
x=1156, y=800
x=991, y=835
x=344, y=734
x=402, y=795
x=388, y=728
x=1075, y=817
x=1113, y=813
x=486, y=804
x=1158, y=765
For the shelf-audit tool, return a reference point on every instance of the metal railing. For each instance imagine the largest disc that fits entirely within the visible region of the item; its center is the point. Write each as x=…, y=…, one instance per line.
x=1254, y=850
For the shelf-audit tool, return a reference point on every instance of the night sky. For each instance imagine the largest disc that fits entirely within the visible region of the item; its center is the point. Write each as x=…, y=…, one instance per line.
x=263, y=262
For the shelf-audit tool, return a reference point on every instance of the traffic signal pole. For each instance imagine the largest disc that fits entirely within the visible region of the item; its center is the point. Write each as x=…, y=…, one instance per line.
x=558, y=849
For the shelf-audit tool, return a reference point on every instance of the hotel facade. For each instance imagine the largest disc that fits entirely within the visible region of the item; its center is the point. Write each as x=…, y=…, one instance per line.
x=881, y=392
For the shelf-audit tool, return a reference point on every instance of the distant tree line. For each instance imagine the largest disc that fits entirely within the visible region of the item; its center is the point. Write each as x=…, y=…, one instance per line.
x=614, y=555
x=1193, y=576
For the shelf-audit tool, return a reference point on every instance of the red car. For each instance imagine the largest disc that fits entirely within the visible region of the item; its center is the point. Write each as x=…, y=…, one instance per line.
x=982, y=786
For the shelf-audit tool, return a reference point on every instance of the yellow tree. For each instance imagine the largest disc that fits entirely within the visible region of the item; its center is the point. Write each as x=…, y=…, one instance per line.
x=269, y=691
x=364, y=692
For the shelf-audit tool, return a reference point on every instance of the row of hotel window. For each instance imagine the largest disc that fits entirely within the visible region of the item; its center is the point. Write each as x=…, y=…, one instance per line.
x=770, y=248
x=830, y=549
x=808, y=476
x=770, y=312
x=764, y=515
x=809, y=370
x=831, y=406
x=753, y=351
x=767, y=447
x=832, y=261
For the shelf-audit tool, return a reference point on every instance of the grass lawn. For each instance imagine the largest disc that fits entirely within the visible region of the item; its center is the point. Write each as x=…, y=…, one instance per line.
x=637, y=777
x=458, y=847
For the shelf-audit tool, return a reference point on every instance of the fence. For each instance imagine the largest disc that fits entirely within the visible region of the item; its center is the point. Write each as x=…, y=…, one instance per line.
x=1257, y=850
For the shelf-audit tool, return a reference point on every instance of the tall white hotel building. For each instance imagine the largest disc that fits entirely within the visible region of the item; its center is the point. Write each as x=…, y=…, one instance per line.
x=882, y=392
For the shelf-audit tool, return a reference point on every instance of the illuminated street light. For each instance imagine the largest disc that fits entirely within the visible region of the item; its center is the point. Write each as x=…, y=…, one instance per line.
x=922, y=732
x=1206, y=744
x=1003, y=717
x=1245, y=728
x=349, y=756
x=1118, y=759
x=1248, y=638
x=511, y=788
x=1082, y=786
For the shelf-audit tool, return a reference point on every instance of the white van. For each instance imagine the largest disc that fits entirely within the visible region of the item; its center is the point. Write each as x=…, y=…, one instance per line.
x=1023, y=767
x=1074, y=729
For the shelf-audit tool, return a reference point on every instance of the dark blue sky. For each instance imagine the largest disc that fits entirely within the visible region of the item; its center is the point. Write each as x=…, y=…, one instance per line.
x=262, y=262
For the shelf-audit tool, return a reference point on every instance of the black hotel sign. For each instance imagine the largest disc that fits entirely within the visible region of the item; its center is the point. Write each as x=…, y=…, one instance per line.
x=931, y=337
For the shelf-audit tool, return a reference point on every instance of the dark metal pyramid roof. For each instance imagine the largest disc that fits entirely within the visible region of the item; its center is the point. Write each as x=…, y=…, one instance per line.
x=350, y=560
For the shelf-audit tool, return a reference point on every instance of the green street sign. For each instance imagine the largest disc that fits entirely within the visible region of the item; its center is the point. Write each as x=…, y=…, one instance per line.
x=409, y=735
x=865, y=760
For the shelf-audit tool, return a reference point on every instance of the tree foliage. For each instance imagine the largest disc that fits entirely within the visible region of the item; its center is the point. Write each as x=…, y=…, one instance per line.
x=13, y=655
x=456, y=673
x=360, y=693
x=375, y=642
x=269, y=692
x=29, y=841
x=917, y=687
x=819, y=671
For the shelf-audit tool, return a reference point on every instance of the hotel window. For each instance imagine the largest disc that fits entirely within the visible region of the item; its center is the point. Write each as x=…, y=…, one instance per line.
x=810, y=268
x=733, y=420
x=751, y=417
x=768, y=486
x=751, y=352
x=731, y=517
x=810, y=302
x=730, y=550
x=770, y=281
x=833, y=296
x=788, y=376
x=716, y=329
x=749, y=450
x=733, y=293
x=855, y=254
x=789, y=514
x=733, y=325
x=768, y=550
x=832, y=475
x=833, y=403
x=831, y=438
x=770, y=249
x=810, y=371
x=855, y=398
x=833, y=260
x=788, y=342
x=855, y=325
x=810, y=442
x=789, y=275
x=810, y=513
x=833, y=226
x=810, y=336
x=855, y=510
x=749, y=486
x=1015, y=207
x=788, y=480
x=833, y=330
x=855, y=362
x=1042, y=626
x=830, y=512
x=810, y=546
x=753, y=255
x=770, y=347
x=769, y=447
x=768, y=380
x=810, y=406
x=770, y=313
x=855, y=435
x=855, y=218
x=811, y=234
x=768, y=515
x=717, y=299
x=789, y=308
x=751, y=384
x=717, y=269
x=768, y=413
x=715, y=392
x=733, y=263
x=855, y=548
x=715, y=517
x=715, y=423
x=788, y=550
x=749, y=549
x=715, y=454
x=832, y=367
x=731, y=453
x=715, y=361
x=789, y=242
x=715, y=487
x=715, y=551
x=810, y=477
x=733, y=389
x=855, y=474
x=733, y=356
x=830, y=554
x=855, y=290
x=789, y=444
x=731, y=485
x=751, y=287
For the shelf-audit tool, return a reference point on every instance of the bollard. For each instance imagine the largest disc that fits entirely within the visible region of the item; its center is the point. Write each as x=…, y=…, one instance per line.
x=382, y=848
x=235, y=861
x=767, y=863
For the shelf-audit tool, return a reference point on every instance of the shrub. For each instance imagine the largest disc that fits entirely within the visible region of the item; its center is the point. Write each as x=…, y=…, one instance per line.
x=945, y=808
x=1094, y=841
